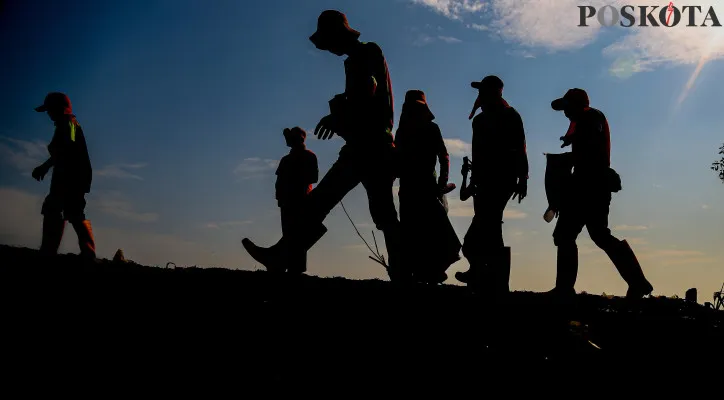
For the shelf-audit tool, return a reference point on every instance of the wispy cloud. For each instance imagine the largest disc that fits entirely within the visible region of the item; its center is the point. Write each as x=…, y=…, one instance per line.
x=121, y=171
x=224, y=224
x=553, y=25
x=630, y=227
x=114, y=203
x=23, y=155
x=255, y=167
x=454, y=9
x=464, y=209
x=424, y=39
x=458, y=148
x=512, y=213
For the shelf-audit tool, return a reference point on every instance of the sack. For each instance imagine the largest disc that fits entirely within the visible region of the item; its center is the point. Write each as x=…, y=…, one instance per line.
x=558, y=176
x=613, y=180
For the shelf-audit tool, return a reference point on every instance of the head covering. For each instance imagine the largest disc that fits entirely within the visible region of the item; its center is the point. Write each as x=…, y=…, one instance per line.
x=56, y=101
x=415, y=106
x=331, y=25
x=295, y=132
x=489, y=84
x=576, y=98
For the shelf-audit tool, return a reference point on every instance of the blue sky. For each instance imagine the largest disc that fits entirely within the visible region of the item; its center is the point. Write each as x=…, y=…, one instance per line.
x=183, y=104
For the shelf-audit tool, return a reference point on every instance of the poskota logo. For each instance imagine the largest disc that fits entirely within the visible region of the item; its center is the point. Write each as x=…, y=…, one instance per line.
x=650, y=16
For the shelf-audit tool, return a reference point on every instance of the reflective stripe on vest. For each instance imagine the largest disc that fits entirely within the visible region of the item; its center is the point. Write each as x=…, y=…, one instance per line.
x=72, y=131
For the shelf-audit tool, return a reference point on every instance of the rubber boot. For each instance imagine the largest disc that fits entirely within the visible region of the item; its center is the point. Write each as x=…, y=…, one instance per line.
x=86, y=241
x=289, y=253
x=566, y=271
x=630, y=270
x=396, y=269
x=53, y=227
x=470, y=276
x=502, y=271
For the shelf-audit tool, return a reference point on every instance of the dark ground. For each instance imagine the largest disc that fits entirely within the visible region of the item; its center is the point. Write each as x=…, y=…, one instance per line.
x=127, y=320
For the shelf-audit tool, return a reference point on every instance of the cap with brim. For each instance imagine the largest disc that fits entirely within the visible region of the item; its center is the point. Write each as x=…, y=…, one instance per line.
x=56, y=101
x=331, y=25
x=573, y=98
x=489, y=82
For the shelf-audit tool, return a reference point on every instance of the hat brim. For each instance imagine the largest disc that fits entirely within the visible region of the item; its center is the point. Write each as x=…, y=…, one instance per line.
x=322, y=40
x=42, y=108
x=476, y=85
x=559, y=104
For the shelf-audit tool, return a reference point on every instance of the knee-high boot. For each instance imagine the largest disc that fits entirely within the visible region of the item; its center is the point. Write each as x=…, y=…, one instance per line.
x=86, y=241
x=53, y=227
x=566, y=268
x=629, y=268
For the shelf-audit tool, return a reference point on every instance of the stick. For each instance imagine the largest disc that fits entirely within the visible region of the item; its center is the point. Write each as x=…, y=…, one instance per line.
x=363, y=239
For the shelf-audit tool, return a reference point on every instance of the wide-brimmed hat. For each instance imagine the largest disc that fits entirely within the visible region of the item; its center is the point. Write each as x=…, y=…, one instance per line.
x=415, y=99
x=56, y=101
x=331, y=25
x=576, y=98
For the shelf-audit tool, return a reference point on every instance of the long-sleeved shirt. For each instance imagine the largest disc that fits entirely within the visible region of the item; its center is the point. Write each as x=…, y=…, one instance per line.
x=296, y=173
x=499, y=146
x=366, y=107
x=590, y=138
x=72, y=169
x=420, y=146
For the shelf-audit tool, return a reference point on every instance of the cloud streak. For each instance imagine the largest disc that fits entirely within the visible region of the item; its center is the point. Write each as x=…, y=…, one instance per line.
x=115, y=204
x=121, y=171
x=423, y=39
x=255, y=167
x=225, y=224
x=23, y=155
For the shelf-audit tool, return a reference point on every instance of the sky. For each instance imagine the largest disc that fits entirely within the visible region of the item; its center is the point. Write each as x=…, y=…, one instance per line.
x=183, y=104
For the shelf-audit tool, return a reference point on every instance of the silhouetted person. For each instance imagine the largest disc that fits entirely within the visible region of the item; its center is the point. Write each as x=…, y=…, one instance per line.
x=429, y=242
x=363, y=117
x=592, y=183
x=499, y=173
x=72, y=176
x=296, y=173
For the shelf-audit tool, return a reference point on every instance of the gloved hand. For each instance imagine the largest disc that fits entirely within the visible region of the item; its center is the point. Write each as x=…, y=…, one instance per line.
x=326, y=128
x=40, y=172
x=566, y=141
x=521, y=190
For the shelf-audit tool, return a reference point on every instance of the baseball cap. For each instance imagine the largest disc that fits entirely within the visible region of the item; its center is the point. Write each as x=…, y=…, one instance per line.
x=574, y=97
x=489, y=82
x=56, y=101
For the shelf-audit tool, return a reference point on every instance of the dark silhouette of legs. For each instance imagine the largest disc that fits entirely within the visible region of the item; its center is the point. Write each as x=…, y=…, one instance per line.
x=53, y=227
x=59, y=207
x=592, y=212
x=354, y=166
x=292, y=218
x=483, y=244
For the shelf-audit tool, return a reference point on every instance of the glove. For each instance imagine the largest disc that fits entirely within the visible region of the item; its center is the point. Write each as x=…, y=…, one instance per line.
x=326, y=128
x=40, y=172
x=521, y=190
